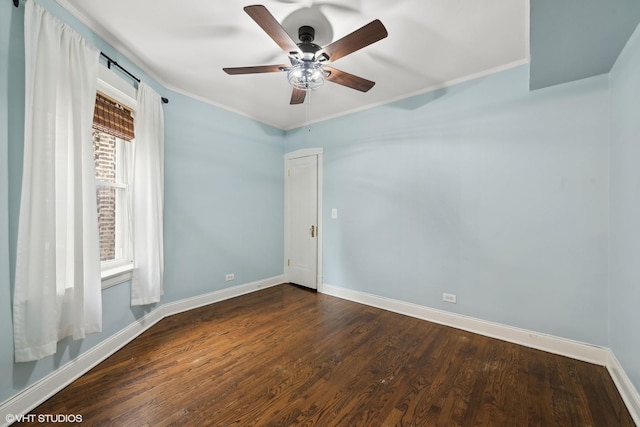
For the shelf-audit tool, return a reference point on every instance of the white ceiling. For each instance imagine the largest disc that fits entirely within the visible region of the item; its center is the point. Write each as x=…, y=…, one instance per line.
x=431, y=44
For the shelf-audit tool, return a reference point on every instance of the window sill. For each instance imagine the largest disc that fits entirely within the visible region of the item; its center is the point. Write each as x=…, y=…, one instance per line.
x=116, y=275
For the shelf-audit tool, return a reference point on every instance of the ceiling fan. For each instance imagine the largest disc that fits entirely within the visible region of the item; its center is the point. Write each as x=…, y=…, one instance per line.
x=308, y=68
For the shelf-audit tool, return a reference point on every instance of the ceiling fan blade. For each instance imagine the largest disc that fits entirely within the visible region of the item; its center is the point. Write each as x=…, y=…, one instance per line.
x=272, y=27
x=349, y=80
x=255, y=69
x=297, y=96
x=370, y=33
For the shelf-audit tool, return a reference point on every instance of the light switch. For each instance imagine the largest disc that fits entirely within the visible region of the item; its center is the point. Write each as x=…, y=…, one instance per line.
x=334, y=213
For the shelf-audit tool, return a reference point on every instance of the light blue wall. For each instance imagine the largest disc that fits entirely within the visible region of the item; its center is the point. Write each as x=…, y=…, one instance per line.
x=241, y=230
x=224, y=198
x=624, y=338
x=575, y=39
x=484, y=190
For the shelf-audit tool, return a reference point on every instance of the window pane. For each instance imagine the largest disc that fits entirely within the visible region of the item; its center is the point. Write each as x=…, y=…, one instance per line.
x=106, y=198
x=104, y=149
x=112, y=198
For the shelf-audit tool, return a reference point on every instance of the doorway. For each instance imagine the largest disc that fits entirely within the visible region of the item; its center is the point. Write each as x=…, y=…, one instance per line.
x=303, y=217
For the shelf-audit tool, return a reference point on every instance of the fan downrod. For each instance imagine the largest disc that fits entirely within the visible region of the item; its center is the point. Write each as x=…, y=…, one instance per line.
x=306, y=34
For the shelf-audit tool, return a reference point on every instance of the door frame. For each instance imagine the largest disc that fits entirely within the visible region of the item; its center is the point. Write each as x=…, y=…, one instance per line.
x=304, y=152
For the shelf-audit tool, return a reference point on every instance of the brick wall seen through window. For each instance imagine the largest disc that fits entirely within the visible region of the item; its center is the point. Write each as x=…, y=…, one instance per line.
x=104, y=146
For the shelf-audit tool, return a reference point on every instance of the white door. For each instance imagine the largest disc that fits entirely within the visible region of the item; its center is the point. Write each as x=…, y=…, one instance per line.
x=301, y=216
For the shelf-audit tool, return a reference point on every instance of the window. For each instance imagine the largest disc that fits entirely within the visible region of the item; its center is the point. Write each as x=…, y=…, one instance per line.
x=112, y=200
x=112, y=136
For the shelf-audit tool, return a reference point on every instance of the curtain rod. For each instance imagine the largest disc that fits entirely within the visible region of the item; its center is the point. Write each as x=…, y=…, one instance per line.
x=111, y=62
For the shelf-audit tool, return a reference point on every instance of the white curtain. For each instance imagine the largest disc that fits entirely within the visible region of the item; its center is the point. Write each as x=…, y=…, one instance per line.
x=57, y=283
x=148, y=199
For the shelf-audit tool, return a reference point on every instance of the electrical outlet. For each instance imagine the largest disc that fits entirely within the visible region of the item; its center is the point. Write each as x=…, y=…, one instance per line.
x=449, y=298
x=229, y=277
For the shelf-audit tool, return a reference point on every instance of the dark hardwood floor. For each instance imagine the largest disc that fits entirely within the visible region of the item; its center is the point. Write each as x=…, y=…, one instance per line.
x=288, y=356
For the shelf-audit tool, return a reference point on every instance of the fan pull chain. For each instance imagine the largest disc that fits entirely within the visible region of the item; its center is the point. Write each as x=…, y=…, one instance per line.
x=308, y=111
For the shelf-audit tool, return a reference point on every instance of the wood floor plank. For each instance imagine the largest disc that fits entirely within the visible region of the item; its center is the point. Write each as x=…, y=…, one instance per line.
x=288, y=356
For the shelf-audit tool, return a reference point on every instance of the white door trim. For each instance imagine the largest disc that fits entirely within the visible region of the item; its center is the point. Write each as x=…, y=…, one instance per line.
x=304, y=152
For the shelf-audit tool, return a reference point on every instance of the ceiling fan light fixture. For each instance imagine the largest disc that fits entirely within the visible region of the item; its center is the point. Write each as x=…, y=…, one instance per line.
x=306, y=75
x=307, y=71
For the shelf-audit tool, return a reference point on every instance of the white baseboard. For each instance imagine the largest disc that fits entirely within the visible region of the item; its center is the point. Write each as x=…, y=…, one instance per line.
x=35, y=394
x=552, y=344
x=625, y=387
x=186, y=304
x=602, y=356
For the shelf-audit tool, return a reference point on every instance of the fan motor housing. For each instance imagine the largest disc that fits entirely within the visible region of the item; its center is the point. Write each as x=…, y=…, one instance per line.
x=307, y=34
